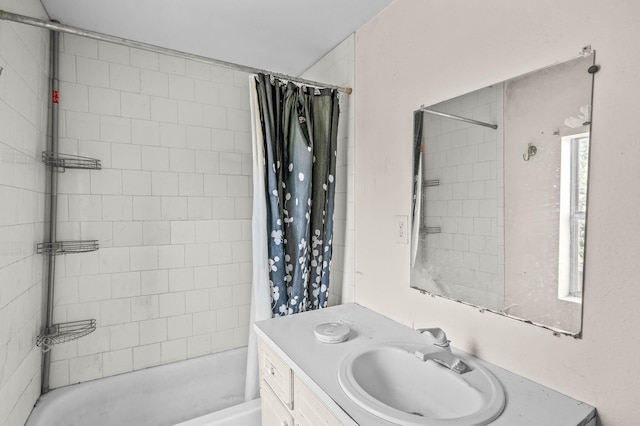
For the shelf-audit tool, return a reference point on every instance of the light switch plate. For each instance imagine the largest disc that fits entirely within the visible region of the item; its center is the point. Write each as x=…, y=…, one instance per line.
x=401, y=229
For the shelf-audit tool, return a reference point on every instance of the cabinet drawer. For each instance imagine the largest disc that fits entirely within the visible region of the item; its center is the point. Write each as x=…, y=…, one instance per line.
x=273, y=412
x=309, y=410
x=277, y=374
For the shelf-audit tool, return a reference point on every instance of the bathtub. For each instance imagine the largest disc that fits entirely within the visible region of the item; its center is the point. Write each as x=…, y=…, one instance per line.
x=207, y=391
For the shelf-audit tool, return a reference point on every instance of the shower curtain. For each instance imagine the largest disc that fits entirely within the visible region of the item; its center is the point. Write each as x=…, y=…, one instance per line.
x=295, y=131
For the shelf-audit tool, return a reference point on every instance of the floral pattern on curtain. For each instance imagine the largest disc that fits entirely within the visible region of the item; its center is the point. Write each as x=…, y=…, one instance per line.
x=300, y=127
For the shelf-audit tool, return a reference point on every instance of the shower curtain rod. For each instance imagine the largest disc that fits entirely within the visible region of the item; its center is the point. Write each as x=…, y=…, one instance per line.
x=457, y=117
x=56, y=26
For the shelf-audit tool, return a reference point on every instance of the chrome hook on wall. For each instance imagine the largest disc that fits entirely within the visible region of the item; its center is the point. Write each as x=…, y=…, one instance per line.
x=531, y=151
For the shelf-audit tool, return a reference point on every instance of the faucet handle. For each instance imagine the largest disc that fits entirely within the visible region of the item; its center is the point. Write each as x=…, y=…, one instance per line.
x=453, y=363
x=438, y=336
x=446, y=359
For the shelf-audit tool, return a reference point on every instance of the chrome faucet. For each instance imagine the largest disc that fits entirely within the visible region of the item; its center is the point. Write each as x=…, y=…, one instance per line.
x=452, y=362
x=437, y=337
x=443, y=357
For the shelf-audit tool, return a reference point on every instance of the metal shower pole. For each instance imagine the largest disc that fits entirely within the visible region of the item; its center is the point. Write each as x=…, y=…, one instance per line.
x=53, y=204
x=57, y=27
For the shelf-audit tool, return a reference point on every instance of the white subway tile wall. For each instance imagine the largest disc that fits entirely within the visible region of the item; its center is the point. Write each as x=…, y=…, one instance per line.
x=171, y=208
x=24, y=99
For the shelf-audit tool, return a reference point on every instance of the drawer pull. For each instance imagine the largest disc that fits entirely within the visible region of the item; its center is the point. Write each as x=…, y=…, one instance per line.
x=272, y=371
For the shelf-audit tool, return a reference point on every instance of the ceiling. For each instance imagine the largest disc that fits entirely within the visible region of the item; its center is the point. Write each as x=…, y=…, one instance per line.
x=285, y=36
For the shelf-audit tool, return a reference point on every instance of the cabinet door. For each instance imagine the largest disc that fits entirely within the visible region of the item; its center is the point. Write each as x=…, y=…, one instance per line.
x=277, y=374
x=309, y=410
x=273, y=412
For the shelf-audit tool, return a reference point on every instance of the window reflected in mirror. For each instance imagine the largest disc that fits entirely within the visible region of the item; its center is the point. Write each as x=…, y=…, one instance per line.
x=573, y=210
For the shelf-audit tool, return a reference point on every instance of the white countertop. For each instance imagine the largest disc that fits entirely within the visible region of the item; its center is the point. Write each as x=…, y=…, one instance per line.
x=316, y=364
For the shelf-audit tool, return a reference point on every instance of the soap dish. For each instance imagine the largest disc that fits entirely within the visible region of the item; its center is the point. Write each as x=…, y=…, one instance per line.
x=332, y=332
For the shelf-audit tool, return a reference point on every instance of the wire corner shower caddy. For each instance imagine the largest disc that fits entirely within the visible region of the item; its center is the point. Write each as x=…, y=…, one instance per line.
x=57, y=163
x=65, y=161
x=65, y=332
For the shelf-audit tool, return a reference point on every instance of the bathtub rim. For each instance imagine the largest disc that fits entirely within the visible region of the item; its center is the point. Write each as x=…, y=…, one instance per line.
x=224, y=416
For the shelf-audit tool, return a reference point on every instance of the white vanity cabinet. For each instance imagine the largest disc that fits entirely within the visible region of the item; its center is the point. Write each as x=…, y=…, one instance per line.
x=273, y=412
x=300, y=381
x=308, y=409
x=286, y=400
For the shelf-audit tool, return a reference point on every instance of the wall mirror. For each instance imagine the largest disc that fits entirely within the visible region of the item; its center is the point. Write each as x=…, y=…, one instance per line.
x=500, y=196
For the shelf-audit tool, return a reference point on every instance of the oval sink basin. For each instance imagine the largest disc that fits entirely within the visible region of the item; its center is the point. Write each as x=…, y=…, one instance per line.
x=394, y=384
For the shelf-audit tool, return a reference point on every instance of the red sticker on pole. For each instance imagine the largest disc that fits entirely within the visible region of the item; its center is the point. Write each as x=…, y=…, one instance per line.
x=55, y=97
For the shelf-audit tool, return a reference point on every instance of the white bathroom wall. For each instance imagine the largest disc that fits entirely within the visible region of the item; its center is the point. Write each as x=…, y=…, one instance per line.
x=425, y=51
x=24, y=64
x=337, y=68
x=171, y=209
